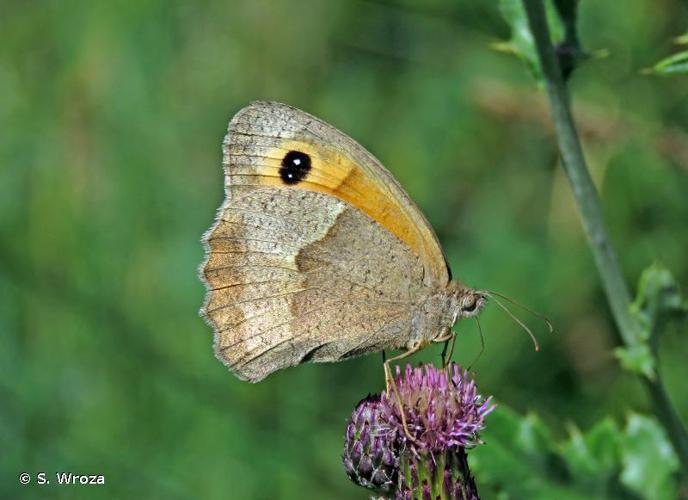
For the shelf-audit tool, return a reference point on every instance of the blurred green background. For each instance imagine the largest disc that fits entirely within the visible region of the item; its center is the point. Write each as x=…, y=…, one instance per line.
x=111, y=118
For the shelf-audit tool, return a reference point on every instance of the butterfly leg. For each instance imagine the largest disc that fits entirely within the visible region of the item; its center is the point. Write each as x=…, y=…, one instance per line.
x=449, y=336
x=392, y=385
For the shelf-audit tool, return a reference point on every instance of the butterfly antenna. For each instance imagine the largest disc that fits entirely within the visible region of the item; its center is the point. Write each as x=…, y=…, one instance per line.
x=482, y=345
x=525, y=308
x=520, y=323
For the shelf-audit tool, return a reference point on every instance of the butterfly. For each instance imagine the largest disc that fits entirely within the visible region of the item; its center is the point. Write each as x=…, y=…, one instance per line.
x=317, y=253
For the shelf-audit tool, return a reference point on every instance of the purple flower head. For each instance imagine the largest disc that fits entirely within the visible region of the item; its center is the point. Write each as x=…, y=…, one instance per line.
x=371, y=456
x=442, y=408
x=443, y=413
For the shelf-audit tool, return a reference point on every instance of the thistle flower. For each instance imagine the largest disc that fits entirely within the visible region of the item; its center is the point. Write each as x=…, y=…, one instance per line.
x=442, y=408
x=443, y=413
x=370, y=451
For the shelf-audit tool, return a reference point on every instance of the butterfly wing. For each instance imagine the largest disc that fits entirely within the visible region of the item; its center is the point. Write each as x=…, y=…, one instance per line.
x=318, y=264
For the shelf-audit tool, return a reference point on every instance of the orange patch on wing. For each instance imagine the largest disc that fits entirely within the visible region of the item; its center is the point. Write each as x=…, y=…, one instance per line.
x=338, y=176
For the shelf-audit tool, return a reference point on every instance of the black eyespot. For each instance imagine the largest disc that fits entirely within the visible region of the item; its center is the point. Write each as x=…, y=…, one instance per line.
x=295, y=167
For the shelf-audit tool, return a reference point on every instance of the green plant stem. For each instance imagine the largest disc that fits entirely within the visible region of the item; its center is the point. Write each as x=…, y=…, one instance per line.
x=590, y=209
x=669, y=417
x=429, y=472
x=576, y=169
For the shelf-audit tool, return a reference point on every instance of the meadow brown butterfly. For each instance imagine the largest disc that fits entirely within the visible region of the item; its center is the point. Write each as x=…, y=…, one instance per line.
x=317, y=253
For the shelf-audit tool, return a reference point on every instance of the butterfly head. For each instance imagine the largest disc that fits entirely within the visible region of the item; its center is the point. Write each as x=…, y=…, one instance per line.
x=467, y=302
x=471, y=303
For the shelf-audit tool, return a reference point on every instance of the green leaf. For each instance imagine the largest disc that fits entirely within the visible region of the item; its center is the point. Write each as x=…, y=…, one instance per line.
x=675, y=64
x=658, y=301
x=648, y=459
x=681, y=40
x=594, y=454
x=637, y=359
x=521, y=43
x=520, y=459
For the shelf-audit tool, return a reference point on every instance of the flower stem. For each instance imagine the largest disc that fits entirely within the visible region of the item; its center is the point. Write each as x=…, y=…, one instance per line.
x=443, y=475
x=590, y=209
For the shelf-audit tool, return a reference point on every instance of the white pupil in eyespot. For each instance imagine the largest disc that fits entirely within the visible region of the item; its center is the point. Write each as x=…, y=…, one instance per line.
x=296, y=161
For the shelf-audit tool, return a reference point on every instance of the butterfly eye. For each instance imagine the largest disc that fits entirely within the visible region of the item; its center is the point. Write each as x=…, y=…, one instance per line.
x=469, y=304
